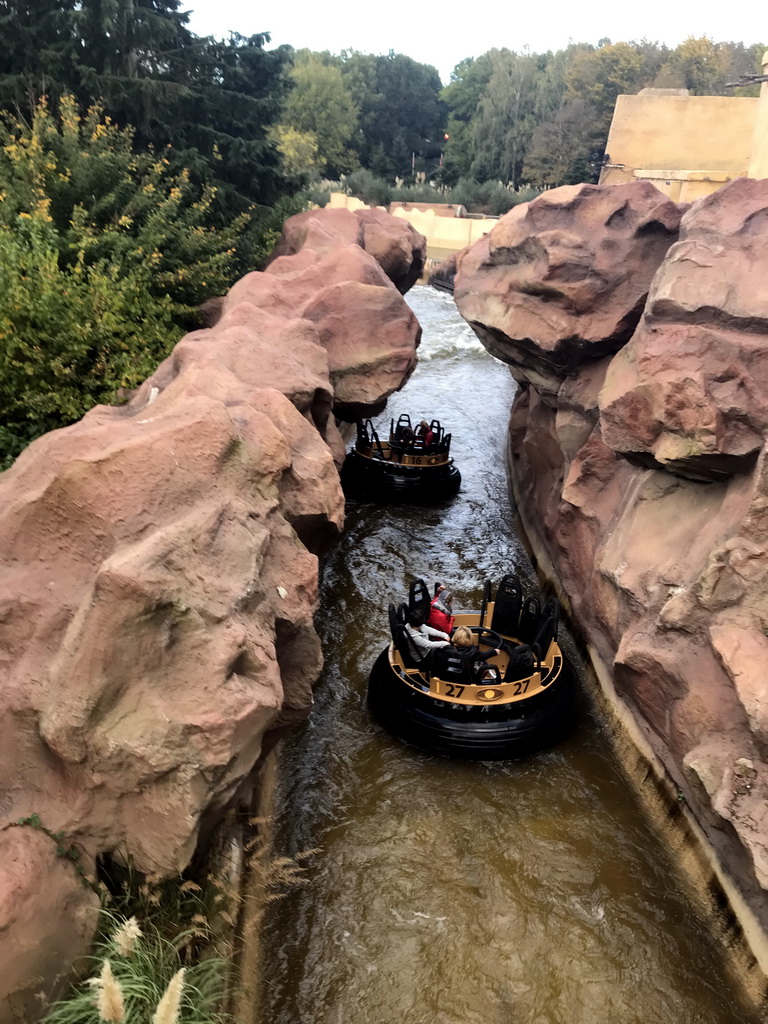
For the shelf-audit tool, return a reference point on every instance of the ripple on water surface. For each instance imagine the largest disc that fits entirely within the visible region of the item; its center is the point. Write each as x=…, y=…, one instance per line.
x=525, y=892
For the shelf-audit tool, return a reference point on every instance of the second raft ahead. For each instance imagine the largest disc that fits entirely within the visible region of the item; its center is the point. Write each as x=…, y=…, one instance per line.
x=405, y=468
x=529, y=703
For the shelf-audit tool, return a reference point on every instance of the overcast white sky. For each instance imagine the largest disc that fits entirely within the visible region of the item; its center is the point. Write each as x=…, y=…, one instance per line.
x=442, y=34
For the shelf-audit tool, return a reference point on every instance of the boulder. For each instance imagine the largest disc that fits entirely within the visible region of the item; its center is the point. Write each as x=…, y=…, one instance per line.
x=563, y=279
x=392, y=242
x=50, y=913
x=690, y=390
x=159, y=579
x=638, y=462
x=372, y=352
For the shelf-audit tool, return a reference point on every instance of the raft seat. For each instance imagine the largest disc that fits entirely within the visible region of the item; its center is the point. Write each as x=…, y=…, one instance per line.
x=450, y=667
x=522, y=663
x=506, y=606
x=397, y=617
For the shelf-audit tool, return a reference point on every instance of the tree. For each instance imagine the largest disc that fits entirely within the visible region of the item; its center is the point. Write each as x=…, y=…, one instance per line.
x=567, y=149
x=212, y=101
x=402, y=118
x=319, y=103
x=505, y=118
x=469, y=81
x=299, y=151
x=39, y=48
x=130, y=38
x=599, y=76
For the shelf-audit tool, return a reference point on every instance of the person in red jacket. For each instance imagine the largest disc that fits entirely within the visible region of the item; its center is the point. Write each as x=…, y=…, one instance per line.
x=425, y=433
x=441, y=610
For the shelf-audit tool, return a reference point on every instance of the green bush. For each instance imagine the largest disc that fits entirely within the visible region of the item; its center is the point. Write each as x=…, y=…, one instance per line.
x=104, y=256
x=107, y=202
x=70, y=336
x=489, y=197
x=366, y=186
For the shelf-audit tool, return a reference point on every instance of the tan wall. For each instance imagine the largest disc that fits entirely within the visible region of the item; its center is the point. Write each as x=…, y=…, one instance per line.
x=687, y=145
x=445, y=235
x=758, y=164
x=341, y=201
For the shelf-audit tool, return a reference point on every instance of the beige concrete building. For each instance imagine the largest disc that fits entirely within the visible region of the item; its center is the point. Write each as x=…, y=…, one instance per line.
x=688, y=146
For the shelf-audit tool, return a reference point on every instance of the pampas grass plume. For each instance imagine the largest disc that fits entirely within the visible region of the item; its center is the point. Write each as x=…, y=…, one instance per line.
x=167, y=1011
x=109, y=1001
x=126, y=935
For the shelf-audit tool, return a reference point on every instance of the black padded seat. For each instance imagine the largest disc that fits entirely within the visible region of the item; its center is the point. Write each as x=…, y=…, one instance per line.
x=522, y=663
x=397, y=620
x=418, y=599
x=450, y=666
x=530, y=617
x=506, y=611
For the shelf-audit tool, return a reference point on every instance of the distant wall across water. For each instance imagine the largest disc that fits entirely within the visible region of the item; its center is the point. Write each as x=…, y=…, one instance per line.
x=445, y=234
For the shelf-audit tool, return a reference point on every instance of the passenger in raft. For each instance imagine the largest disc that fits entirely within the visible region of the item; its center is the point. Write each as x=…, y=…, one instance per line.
x=425, y=433
x=423, y=639
x=464, y=646
x=441, y=610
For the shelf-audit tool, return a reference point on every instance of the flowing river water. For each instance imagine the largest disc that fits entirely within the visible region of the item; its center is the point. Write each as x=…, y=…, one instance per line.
x=530, y=892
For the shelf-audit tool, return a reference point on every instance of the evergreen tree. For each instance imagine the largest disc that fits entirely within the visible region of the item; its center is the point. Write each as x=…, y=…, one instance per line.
x=212, y=101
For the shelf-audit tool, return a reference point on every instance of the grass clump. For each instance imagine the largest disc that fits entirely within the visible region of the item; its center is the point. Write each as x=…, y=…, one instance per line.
x=169, y=950
x=141, y=975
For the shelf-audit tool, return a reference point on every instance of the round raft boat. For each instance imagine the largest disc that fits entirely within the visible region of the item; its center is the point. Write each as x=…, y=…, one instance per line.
x=408, y=467
x=526, y=700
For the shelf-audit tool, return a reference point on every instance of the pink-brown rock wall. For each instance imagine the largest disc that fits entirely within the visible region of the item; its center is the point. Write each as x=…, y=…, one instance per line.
x=158, y=581
x=398, y=248
x=637, y=454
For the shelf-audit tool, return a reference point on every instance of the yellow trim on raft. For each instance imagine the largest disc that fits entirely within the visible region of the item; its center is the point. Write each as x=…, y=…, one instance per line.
x=479, y=695
x=389, y=455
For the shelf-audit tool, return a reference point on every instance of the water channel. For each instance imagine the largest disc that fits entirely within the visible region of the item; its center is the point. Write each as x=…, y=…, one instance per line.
x=529, y=892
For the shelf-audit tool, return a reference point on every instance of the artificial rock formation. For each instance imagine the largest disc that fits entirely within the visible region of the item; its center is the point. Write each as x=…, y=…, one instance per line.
x=690, y=391
x=397, y=248
x=637, y=455
x=563, y=280
x=158, y=583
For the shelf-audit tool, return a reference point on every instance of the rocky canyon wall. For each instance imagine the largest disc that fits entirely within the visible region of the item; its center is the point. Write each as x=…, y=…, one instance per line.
x=158, y=577
x=638, y=330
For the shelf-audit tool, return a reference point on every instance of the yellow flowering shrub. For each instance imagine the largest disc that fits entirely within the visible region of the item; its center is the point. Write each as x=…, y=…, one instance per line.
x=104, y=256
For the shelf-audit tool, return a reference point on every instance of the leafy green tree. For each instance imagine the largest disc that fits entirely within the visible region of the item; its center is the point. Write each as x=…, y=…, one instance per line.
x=567, y=149
x=505, y=120
x=402, y=117
x=212, y=101
x=469, y=81
x=599, y=76
x=320, y=104
x=299, y=151
x=705, y=68
x=39, y=47
x=126, y=38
